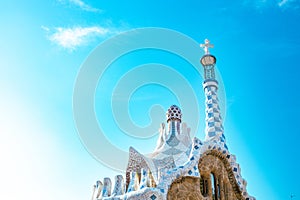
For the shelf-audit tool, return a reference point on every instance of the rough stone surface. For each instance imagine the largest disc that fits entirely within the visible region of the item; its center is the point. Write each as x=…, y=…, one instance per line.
x=189, y=187
x=185, y=188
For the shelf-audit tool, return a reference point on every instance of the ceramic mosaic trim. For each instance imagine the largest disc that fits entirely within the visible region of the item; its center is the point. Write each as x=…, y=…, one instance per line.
x=176, y=155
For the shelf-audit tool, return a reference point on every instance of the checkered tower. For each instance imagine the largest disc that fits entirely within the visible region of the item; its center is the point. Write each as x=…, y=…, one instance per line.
x=214, y=128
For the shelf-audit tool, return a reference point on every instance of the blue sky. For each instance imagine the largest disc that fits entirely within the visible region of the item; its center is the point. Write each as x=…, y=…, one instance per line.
x=44, y=44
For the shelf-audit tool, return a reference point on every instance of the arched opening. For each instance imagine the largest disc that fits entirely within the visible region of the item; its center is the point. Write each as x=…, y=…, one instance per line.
x=204, y=186
x=217, y=165
x=218, y=191
x=214, y=187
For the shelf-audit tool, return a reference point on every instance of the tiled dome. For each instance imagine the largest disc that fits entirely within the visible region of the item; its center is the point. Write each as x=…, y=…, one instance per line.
x=174, y=113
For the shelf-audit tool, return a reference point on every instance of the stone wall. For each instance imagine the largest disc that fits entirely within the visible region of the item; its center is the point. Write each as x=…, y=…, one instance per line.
x=214, y=183
x=187, y=188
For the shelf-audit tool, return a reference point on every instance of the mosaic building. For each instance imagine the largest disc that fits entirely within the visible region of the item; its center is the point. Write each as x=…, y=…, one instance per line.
x=181, y=167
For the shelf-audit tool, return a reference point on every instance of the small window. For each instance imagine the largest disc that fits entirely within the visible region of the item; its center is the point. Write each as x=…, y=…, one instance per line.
x=213, y=187
x=218, y=191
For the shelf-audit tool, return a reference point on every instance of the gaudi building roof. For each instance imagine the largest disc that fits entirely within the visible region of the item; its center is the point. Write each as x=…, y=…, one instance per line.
x=176, y=157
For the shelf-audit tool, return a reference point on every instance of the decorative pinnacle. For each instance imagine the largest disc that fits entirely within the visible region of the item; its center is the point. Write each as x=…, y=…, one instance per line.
x=174, y=113
x=206, y=46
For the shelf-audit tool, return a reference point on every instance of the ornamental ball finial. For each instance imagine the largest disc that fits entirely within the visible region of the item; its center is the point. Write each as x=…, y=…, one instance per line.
x=174, y=113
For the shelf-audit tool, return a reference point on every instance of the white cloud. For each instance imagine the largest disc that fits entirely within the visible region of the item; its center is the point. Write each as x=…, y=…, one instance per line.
x=84, y=6
x=283, y=2
x=45, y=28
x=71, y=38
x=259, y=4
x=81, y=4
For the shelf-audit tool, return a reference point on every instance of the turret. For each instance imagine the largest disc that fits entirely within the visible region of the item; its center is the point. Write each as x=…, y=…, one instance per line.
x=214, y=128
x=174, y=119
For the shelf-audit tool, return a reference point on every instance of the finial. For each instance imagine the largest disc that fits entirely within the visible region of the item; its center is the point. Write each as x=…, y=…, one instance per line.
x=206, y=46
x=174, y=113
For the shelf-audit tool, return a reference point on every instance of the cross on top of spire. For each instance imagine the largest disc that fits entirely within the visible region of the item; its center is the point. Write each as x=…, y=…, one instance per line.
x=206, y=46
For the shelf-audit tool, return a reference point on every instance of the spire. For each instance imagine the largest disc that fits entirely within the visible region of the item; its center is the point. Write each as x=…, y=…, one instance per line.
x=214, y=128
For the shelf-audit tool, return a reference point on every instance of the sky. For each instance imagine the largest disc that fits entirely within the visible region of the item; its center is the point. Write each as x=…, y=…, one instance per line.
x=45, y=45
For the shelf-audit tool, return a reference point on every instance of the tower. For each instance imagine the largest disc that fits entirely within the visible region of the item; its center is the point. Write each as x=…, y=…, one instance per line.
x=213, y=120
